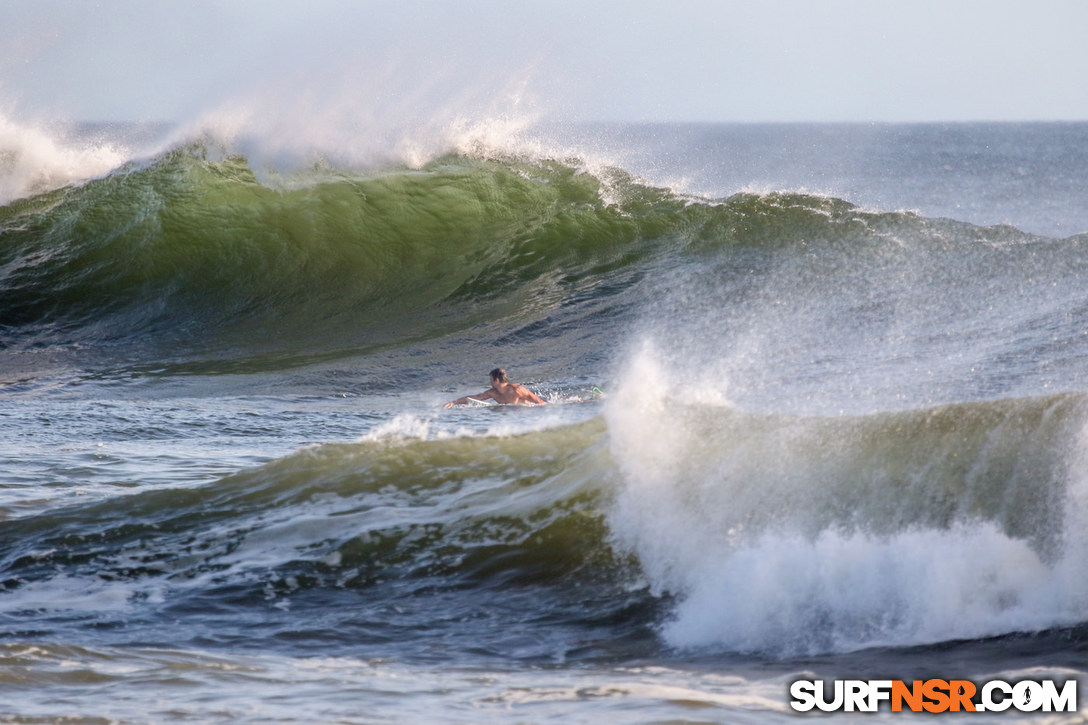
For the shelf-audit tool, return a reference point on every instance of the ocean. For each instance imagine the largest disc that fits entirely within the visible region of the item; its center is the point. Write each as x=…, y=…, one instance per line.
x=817, y=409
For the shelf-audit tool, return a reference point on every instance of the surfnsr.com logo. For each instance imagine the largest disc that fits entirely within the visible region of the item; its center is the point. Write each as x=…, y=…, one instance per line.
x=934, y=696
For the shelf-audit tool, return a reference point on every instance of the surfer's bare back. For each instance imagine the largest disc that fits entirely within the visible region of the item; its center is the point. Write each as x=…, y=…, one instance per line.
x=501, y=391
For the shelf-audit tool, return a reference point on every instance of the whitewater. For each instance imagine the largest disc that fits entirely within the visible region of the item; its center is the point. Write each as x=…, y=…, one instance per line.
x=817, y=408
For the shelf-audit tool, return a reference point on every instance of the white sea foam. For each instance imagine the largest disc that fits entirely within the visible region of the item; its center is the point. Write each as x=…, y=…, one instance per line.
x=769, y=550
x=68, y=593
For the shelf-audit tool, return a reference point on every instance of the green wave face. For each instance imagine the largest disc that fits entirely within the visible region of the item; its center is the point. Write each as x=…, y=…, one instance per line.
x=190, y=252
x=187, y=247
x=631, y=522
x=393, y=539
x=395, y=506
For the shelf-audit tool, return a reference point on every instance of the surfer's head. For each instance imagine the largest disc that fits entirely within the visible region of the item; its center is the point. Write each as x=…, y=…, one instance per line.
x=498, y=375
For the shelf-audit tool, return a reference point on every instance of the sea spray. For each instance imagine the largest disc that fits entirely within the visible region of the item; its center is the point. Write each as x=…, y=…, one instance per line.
x=826, y=427
x=789, y=535
x=35, y=159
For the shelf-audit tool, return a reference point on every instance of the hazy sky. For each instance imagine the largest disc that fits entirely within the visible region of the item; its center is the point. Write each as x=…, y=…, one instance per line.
x=775, y=60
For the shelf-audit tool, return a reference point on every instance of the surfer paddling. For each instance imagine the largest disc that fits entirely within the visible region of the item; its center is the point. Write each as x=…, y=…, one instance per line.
x=501, y=391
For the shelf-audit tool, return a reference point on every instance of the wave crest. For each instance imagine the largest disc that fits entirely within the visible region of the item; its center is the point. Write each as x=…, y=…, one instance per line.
x=793, y=535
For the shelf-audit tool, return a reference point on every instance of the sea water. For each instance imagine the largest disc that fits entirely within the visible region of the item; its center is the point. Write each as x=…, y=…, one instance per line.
x=816, y=408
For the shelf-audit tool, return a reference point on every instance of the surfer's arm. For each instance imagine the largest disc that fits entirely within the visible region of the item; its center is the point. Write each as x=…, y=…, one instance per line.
x=479, y=397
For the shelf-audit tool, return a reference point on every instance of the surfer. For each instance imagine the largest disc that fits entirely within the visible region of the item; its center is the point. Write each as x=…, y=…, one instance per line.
x=501, y=391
